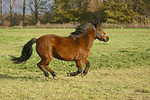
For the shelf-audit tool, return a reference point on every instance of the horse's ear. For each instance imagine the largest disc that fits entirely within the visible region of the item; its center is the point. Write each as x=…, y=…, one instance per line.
x=99, y=25
x=95, y=23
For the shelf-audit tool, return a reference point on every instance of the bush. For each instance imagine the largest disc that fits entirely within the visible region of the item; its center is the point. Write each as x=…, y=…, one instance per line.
x=6, y=24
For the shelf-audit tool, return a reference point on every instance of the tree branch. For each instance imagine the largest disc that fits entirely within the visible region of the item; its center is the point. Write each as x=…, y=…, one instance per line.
x=30, y=8
x=13, y=3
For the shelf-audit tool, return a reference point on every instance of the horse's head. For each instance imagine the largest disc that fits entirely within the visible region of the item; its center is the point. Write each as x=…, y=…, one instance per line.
x=100, y=34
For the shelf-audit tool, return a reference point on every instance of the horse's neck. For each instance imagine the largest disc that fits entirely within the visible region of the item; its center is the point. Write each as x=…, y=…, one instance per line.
x=88, y=39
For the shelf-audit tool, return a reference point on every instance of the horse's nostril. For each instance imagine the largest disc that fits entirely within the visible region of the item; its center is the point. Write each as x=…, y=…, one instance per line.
x=107, y=39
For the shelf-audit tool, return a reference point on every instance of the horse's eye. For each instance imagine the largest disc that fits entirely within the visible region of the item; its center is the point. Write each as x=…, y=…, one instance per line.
x=99, y=29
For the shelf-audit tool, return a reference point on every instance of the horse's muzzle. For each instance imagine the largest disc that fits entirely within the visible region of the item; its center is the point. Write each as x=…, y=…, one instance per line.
x=106, y=39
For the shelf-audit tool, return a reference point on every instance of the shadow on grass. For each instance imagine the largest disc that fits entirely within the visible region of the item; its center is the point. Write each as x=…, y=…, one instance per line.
x=7, y=77
x=26, y=78
x=40, y=78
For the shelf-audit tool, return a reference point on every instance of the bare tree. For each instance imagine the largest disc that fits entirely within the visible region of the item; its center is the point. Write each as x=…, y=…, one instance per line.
x=11, y=2
x=2, y=4
x=34, y=7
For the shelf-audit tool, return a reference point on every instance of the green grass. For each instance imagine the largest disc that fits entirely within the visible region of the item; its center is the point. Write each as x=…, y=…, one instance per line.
x=119, y=70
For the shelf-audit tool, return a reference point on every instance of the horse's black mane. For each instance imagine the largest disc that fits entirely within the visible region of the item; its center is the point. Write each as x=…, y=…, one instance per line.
x=81, y=29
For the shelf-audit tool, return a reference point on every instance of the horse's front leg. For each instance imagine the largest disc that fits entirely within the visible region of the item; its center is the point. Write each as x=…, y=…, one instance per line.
x=79, y=66
x=87, y=67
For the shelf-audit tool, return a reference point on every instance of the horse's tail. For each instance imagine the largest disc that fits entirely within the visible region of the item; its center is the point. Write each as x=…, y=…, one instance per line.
x=26, y=52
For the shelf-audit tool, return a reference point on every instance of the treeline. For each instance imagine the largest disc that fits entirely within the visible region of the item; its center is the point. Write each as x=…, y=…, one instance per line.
x=31, y=12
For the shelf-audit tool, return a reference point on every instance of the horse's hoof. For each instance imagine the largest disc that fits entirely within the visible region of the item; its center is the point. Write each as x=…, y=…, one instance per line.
x=47, y=78
x=82, y=75
x=55, y=78
x=68, y=74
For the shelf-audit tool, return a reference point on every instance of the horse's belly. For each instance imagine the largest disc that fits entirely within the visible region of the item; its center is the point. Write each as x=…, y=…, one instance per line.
x=64, y=56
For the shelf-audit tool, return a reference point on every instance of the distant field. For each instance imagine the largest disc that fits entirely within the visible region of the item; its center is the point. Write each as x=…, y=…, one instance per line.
x=120, y=68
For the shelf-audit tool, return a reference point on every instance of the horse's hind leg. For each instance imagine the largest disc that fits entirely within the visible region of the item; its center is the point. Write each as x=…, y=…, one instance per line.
x=51, y=71
x=41, y=66
x=79, y=66
x=87, y=67
x=44, y=64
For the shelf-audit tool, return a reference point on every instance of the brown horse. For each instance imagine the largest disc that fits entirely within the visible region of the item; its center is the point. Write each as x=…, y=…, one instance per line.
x=76, y=48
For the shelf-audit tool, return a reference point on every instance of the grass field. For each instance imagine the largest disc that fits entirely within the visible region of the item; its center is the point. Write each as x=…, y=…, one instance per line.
x=120, y=68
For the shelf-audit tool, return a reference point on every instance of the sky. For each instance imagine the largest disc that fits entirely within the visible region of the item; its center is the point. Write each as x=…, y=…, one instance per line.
x=18, y=7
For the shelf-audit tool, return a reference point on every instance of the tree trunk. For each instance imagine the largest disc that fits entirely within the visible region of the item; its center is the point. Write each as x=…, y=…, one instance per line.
x=36, y=12
x=1, y=10
x=10, y=14
x=23, y=20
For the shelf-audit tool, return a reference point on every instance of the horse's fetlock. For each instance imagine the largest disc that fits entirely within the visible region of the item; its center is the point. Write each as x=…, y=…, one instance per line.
x=85, y=72
x=80, y=70
x=53, y=74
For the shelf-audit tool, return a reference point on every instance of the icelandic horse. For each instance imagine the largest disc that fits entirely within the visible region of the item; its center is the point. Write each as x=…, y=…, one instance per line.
x=75, y=47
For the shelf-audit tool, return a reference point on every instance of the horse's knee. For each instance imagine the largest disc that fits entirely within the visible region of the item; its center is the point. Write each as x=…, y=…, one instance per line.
x=88, y=64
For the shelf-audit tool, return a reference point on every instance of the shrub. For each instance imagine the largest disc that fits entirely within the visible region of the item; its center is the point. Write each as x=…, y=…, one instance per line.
x=6, y=23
